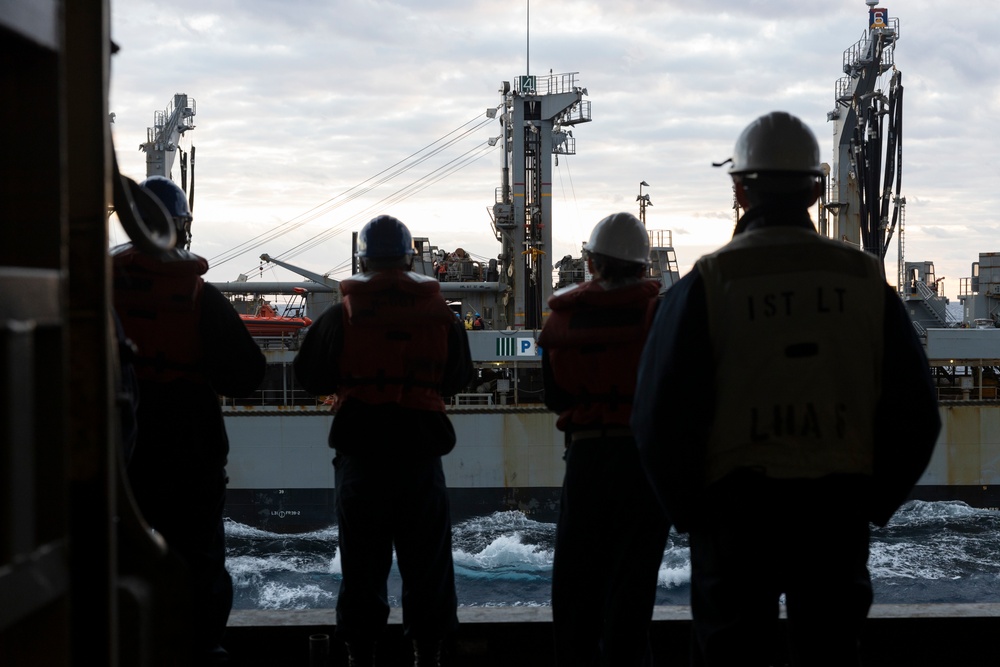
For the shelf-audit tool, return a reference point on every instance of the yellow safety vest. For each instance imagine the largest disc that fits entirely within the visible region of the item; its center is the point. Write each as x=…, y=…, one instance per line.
x=795, y=321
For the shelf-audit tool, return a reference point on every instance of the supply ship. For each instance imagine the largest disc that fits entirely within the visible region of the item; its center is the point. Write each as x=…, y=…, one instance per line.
x=509, y=452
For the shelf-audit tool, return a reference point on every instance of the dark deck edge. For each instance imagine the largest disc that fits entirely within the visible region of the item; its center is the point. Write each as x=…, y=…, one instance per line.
x=918, y=635
x=326, y=617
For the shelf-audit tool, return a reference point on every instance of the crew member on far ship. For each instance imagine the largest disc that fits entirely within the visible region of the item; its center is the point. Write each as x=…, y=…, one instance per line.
x=784, y=402
x=591, y=344
x=390, y=352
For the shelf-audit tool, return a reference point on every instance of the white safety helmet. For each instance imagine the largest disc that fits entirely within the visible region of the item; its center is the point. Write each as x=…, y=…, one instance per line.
x=621, y=236
x=776, y=142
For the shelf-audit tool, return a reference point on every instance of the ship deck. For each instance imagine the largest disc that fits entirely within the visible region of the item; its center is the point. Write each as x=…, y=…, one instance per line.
x=957, y=635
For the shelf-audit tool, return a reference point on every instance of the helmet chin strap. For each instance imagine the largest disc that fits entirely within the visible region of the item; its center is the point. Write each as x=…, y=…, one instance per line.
x=183, y=227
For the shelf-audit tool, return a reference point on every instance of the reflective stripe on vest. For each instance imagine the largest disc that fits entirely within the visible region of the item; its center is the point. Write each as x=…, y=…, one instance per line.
x=796, y=326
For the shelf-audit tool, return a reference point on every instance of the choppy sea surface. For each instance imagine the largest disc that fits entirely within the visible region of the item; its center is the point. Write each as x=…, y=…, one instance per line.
x=943, y=552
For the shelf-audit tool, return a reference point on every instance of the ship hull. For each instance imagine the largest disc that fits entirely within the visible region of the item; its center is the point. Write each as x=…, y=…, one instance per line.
x=281, y=475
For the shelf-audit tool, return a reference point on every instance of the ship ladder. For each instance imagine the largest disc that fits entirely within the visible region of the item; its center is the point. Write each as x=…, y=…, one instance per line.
x=663, y=265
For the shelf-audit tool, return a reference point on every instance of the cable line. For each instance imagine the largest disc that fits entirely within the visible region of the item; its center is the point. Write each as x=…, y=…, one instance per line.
x=403, y=193
x=352, y=193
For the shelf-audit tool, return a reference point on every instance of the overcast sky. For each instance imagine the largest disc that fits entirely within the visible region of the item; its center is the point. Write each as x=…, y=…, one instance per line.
x=305, y=106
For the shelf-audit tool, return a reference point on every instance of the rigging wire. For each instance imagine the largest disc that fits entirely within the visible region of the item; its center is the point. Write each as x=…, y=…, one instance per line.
x=405, y=192
x=311, y=214
x=572, y=188
x=344, y=265
x=576, y=204
x=415, y=163
x=351, y=193
x=340, y=227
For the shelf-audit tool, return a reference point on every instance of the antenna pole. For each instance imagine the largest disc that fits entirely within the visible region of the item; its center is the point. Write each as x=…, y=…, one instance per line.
x=527, y=38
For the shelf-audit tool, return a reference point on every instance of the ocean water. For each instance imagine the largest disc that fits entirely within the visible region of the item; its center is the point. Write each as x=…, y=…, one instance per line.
x=945, y=552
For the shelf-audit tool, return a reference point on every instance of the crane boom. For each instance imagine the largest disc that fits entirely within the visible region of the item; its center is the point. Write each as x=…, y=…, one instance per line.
x=305, y=273
x=161, y=139
x=860, y=192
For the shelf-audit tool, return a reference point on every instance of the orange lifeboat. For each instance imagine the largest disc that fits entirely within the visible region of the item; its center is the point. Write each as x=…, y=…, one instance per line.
x=267, y=322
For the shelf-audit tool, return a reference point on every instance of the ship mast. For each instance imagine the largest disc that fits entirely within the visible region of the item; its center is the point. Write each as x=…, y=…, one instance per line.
x=535, y=115
x=861, y=181
x=644, y=201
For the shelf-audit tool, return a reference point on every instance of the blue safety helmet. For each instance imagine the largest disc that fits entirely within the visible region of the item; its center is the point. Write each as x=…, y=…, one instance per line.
x=384, y=237
x=172, y=198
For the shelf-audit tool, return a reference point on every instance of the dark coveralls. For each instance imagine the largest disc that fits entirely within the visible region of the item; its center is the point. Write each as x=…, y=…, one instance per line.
x=177, y=469
x=603, y=597
x=753, y=537
x=390, y=490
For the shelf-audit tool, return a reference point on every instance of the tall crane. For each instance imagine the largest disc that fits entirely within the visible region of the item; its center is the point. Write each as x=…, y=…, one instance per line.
x=161, y=139
x=161, y=146
x=867, y=120
x=535, y=116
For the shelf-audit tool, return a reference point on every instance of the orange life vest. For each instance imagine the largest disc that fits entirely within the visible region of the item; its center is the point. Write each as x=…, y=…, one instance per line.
x=594, y=338
x=159, y=304
x=395, y=339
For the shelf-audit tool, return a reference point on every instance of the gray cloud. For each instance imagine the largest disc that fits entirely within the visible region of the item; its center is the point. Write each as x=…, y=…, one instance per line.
x=301, y=101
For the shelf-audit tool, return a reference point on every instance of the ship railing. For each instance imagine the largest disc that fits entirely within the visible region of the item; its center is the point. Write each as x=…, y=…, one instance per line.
x=936, y=304
x=278, y=397
x=843, y=90
x=965, y=287
x=660, y=238
x=853, y=53
x=289, y=341
x=472, y=400
x=565, y=146
x=578, y=113
x=859, y=54
x=549, y=84
x=503, y=212
x=183, y=117
x=966, y=383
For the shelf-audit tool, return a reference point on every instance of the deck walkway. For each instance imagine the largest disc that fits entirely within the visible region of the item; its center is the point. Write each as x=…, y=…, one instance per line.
x=938, y=635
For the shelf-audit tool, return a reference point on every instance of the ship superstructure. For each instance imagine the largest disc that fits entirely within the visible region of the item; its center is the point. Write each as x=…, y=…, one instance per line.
x=537, y=114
